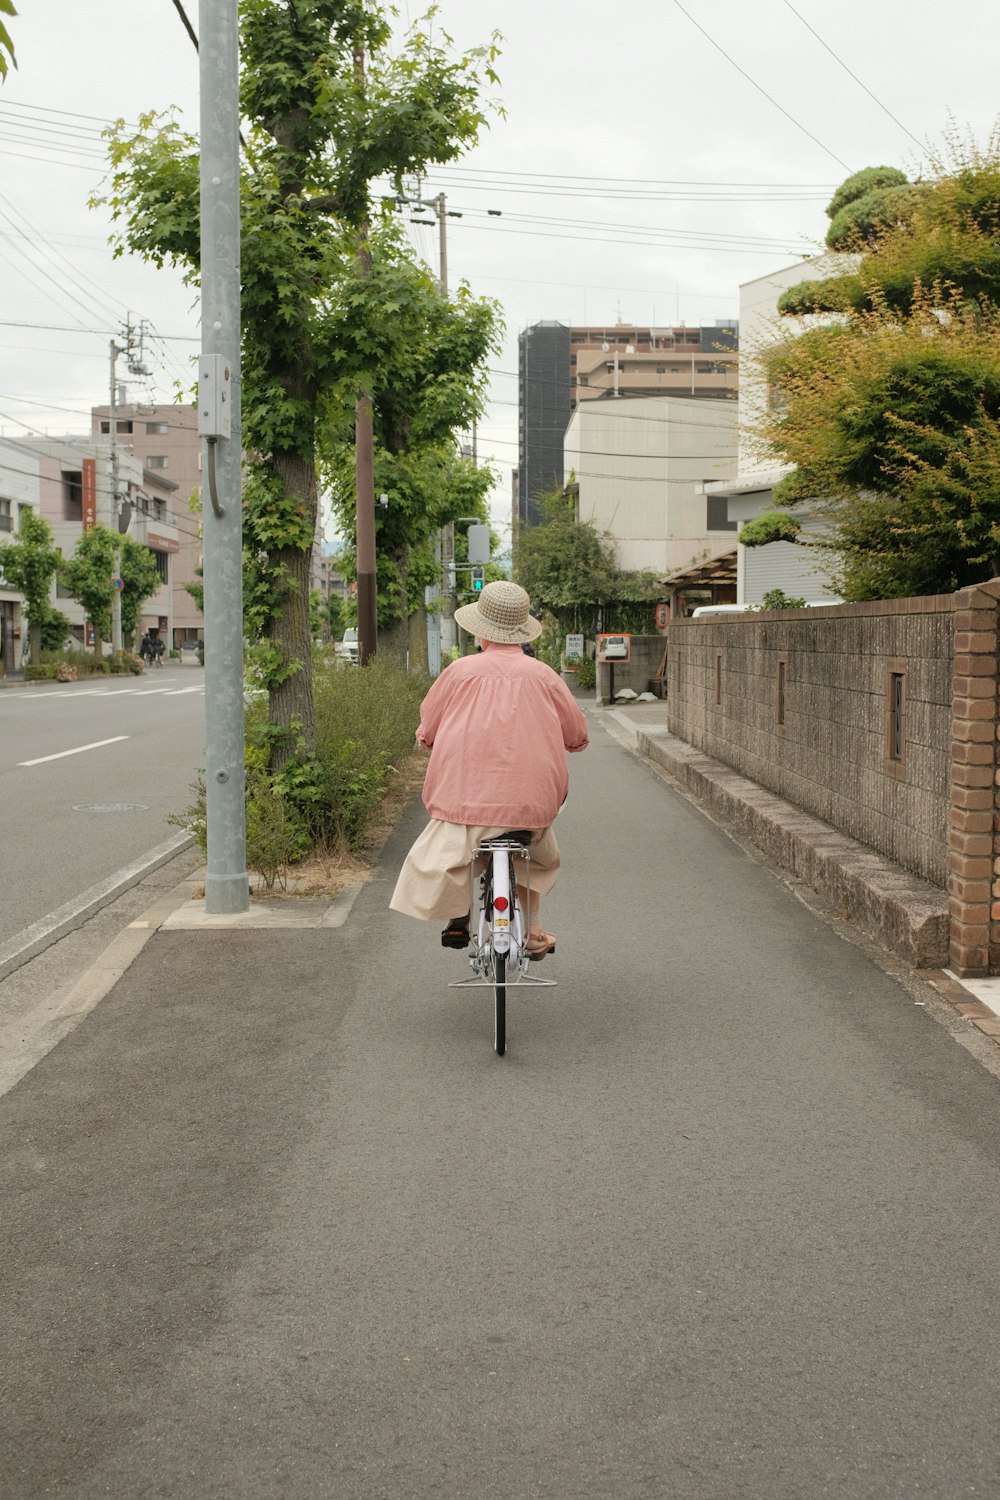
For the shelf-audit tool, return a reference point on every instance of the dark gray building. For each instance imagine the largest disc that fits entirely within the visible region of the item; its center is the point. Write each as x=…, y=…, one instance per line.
x=560, y=366
x=543, y=411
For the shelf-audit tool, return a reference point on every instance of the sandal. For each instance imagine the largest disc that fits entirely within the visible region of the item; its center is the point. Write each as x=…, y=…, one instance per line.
x=538, y=944
x=456, y=934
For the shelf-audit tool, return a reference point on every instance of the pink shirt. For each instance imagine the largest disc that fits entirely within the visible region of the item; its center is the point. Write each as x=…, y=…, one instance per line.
x=498, y=726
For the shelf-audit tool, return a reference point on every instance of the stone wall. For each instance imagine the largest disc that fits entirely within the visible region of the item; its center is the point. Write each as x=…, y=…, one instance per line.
x=879, y=718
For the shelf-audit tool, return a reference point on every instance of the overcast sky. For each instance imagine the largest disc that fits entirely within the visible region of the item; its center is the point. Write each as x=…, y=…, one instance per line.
x=642, y=172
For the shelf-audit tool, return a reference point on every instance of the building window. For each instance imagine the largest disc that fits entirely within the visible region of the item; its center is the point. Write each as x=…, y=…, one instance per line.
x=156, y=461
x=122, y=425
x=6, y=523
x=157, y=426
x=162, y=560
x=717, y=517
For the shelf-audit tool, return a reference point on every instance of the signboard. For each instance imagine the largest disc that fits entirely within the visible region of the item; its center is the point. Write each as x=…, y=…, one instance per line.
x=164, y=622
x=88, y=633
x=614, y=648
x=662, y=616
x=162, y=543
x=88, y=493
x=574, y=647
x=119, y=583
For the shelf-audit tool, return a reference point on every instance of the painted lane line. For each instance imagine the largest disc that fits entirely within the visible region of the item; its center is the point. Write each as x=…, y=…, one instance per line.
x=78, y=751
x=179, y=692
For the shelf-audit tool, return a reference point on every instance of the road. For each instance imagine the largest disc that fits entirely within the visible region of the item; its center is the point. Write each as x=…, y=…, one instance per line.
x=68, y=820
x=275, y=1222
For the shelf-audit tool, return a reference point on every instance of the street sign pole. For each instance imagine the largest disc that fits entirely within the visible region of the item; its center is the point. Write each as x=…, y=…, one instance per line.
x=226, y=887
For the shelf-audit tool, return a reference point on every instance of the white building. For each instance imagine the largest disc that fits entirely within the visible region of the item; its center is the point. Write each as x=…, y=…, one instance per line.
x=792, y=567
x=20, y=490
x=75, y=492
x=642, y=464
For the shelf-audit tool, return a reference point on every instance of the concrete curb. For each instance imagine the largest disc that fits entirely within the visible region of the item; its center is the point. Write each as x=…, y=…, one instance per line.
x=905, y=914
x=33, y=940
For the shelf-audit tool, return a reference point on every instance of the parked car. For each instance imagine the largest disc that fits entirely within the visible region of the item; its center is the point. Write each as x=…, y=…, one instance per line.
x=615, y=648
x=348, y=647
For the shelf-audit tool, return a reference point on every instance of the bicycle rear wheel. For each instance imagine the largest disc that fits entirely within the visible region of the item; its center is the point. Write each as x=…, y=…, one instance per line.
x=500, y=1003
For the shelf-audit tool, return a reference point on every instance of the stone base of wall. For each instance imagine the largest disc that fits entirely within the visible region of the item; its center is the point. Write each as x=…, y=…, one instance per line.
x=905, y=914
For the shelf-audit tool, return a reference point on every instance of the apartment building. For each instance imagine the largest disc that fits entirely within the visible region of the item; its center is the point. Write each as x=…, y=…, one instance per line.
x=164, y=442
x=559, y=367
x=638, y=468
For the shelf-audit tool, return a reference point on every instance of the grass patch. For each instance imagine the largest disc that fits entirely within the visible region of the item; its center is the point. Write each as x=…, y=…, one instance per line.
x=329, y=808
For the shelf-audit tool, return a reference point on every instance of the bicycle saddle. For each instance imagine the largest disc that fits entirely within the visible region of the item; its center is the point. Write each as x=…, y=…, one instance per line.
x=520, y=836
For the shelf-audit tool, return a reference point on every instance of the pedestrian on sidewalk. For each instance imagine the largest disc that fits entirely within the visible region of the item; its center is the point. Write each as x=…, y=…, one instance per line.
x=498, y=726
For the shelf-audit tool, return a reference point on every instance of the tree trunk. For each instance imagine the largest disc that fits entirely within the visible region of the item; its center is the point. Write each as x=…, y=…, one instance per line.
x=34, y=643
x=290, y=701
x=394, y=640
x=418, y=641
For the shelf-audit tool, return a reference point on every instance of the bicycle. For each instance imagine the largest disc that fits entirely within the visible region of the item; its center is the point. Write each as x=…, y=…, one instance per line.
x=500, y=958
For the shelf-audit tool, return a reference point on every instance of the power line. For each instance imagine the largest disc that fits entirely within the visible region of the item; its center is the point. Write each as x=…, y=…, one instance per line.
x=176, y=338
x=619, y=239
x=187, y=24
x=797, y=123
x=853, y=75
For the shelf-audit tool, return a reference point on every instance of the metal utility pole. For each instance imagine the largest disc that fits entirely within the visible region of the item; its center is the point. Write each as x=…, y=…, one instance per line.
x=226, y=888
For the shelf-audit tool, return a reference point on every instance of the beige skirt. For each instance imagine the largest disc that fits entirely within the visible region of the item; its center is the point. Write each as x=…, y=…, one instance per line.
x=434, y=883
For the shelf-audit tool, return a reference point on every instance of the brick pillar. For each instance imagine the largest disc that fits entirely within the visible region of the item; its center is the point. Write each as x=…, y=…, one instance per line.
x=974, y=811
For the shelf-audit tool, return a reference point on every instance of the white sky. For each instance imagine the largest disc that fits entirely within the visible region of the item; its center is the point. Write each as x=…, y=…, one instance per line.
x=641, y=175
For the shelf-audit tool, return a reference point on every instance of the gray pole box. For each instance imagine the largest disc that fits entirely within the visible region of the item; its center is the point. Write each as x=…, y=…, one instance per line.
x=479, y=544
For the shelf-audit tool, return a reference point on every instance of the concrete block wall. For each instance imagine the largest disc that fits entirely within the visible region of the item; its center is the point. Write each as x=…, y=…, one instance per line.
x=646, y=654
x=881, y=719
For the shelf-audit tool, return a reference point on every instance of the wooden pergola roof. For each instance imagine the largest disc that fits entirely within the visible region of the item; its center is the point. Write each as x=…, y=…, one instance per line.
x=717, y=572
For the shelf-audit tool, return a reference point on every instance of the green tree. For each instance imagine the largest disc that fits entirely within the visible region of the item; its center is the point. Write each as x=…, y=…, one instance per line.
x=330, y=103
x=29, y=563
x=890, y=412
x=7, y=58
x=569, y=570
x=88, y=575
x=427, y=386
x=141, y=579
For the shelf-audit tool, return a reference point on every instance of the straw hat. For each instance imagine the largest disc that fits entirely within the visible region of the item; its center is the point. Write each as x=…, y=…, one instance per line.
x=500, y=614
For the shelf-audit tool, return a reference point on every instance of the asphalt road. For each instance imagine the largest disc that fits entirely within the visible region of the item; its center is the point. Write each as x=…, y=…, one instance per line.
x=68, y=822
x=722, y=1225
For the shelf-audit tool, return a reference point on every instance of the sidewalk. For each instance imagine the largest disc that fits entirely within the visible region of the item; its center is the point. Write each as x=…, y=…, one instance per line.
x=276, y=1222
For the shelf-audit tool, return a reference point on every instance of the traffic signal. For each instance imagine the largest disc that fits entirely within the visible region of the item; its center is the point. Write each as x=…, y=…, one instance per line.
x=477, y=579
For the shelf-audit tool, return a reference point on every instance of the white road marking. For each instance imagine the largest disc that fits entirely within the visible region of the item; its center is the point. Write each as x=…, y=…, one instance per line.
x=78, y=751
x=179, y=692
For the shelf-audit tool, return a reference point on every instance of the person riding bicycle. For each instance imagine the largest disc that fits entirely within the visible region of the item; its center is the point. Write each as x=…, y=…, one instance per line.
x=498, y=726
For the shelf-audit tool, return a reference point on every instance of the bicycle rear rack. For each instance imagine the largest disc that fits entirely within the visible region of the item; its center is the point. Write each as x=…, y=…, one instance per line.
x=482, y=959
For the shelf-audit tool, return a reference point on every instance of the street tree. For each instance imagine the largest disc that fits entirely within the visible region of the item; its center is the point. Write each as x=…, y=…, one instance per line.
x=89, y=576
x=332, y=103
x=29, y=563
x=570, y=572
x=890, y=409
x=90, y=573
x=427, y=387
x=140, y=579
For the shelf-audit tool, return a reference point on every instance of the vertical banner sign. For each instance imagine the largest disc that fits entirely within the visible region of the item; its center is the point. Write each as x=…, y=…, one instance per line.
x=88, y=488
